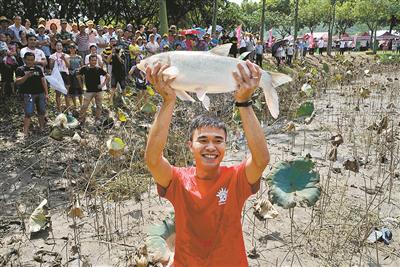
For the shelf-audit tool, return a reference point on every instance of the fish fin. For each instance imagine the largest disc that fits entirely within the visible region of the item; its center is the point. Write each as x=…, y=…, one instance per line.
x=206, y=102
x=221, y=50
x=171, y=72
x=271, y=96
x=182, y=95
x=244, y=55
x=279, y=78
x=201, y=93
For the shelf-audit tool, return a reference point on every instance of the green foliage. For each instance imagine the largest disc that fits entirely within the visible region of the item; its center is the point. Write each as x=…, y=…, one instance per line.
x=294, y=183
x=345, y=15
x=305, y=109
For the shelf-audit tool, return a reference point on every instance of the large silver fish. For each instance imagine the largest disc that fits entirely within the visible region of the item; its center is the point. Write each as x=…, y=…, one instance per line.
x=211, y=72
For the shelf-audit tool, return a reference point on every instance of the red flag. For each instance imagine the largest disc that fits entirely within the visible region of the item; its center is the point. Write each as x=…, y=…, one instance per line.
x=270, y=38
x=311, y=40
x=239, y=32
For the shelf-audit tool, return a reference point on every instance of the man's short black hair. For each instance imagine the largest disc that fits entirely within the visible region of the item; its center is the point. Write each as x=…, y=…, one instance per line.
x=92, y=56
x=205, y=121
x=28, y=54
x=30, y=35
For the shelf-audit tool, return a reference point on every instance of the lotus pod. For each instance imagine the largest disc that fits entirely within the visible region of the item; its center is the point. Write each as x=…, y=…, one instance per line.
x=305, y=109
x=263, y=209
x=38, y=219
x=294, y=183
x=115, y=146
x=76, y=210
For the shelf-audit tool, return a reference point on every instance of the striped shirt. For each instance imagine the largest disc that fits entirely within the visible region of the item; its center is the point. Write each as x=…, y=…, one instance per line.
x=82, y=40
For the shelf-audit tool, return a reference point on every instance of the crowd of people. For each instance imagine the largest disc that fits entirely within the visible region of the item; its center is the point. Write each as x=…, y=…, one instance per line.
x=90, y=58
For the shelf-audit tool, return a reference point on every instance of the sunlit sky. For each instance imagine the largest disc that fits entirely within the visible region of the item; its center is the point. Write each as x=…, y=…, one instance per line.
x=236, y=1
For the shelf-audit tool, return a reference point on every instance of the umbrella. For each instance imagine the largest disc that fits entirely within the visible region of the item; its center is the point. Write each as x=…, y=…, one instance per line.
x=276, y=45
x=190, y=31
x=58, y=23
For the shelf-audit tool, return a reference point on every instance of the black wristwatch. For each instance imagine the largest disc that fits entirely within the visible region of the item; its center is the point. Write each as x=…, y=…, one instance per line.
x=244, y=104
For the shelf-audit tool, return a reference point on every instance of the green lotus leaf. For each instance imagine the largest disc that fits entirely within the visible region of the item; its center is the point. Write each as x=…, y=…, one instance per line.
x=294, y=183
x=305, y=109
x=149, y=107
x=160, y=238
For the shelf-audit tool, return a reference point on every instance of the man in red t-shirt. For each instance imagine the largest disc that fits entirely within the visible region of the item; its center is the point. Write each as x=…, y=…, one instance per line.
x=208, y=198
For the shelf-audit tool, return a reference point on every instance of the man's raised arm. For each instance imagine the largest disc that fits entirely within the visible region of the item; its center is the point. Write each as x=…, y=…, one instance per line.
x=159, y=166
x=259, y=158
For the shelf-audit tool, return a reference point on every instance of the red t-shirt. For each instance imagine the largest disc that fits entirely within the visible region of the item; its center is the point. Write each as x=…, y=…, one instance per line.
x=208, y=216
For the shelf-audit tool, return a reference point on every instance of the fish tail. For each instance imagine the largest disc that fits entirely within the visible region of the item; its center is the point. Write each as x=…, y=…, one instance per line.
x=269, y=81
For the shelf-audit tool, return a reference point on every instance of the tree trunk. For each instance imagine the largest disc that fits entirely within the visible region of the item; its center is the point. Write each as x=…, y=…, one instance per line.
x=263, y=22
x=331, y=26
x=214, y=17
x=374, y=45
x=296, y=26
x=163, y=17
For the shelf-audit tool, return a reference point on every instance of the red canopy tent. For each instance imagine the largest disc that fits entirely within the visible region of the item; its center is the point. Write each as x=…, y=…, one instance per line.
x=387, y=36
x=363, y=37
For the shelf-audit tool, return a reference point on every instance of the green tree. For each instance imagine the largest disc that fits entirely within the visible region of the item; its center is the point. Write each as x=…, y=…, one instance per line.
x=345, y=17
x=310, y=13
x=374, y=13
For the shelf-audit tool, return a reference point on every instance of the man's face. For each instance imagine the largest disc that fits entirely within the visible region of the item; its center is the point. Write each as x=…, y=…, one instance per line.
x=17, y=20
x=29, y=61
x=31, y=42
x=93, y=61
x=113, y=42
x=208, y=147
x=64, y=26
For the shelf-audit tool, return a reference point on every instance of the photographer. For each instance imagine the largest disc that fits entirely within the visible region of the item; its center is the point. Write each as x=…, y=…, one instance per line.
x=33, y=87
x=118, y=72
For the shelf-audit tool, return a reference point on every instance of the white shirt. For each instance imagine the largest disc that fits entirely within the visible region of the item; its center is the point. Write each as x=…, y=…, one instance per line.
x=321, y=43
x=100, y=40
x=152, y=47
x=16, y=31
x=39, y=54
x=242, y=43
x=342, y=44
x=61, y=63
x=92, y=35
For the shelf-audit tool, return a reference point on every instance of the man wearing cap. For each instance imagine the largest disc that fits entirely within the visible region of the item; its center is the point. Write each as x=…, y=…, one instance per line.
x=91, y=31
x=82, y=40
x=110, y=34
x=43, y=41
x=152, y=46
x=16, y=28
x=4, y=22
x=164, y=42
x=64, y=35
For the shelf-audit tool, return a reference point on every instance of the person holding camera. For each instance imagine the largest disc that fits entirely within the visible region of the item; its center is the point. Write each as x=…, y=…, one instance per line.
x=33, y=87
x=118, y=71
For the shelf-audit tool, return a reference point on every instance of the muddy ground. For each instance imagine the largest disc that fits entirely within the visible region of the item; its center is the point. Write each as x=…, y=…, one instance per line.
x=119, y=200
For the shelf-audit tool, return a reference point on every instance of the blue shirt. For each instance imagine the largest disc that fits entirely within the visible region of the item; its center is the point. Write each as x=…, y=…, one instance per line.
x=45, y=48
